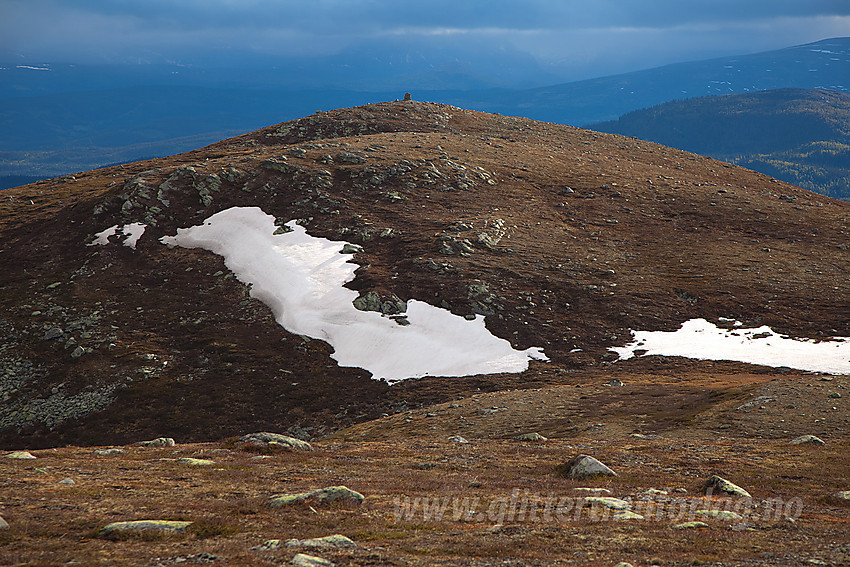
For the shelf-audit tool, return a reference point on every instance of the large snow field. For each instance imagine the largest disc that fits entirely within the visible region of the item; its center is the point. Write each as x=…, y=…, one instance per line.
x=301, y=277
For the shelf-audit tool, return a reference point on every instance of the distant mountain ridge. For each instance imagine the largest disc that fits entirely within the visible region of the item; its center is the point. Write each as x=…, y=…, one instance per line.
x=822, y=64
x=801, y=136
x=82, y=117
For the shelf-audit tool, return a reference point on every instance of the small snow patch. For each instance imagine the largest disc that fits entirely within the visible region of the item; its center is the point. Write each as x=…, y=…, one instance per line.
x=702, y=340
x=131, y=234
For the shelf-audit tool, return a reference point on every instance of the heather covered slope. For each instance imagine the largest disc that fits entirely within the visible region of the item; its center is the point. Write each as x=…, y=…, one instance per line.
x=564, y=239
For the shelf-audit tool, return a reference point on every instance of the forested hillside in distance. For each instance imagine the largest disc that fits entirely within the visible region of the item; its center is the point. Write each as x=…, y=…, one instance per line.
x=801, y=136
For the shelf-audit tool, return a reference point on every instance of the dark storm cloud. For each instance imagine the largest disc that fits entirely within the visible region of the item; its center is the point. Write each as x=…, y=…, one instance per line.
x=607, y=33
x=341, y=16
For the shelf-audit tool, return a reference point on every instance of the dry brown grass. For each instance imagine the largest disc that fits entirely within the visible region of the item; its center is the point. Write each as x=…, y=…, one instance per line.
x=54, y=524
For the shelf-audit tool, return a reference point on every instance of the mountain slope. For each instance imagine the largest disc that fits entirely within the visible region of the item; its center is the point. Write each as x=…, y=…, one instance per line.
x=564, y=238
x=800, y=136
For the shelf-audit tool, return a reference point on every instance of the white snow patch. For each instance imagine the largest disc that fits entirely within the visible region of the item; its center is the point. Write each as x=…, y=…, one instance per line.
x=703, y=340
x=102, y=238
x=300, y=277
x=131, y=232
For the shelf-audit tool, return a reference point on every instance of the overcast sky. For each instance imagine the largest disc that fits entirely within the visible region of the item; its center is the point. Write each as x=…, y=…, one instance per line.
x=579, y=38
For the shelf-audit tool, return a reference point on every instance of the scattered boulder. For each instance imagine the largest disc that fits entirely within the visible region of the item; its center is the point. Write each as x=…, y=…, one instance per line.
x=4, y=525
x=302, y=560
x=592, y=490
x=627, y=515
x=332, y=541
x=68, y=481
x=372, y=301
x=690, y=526
x=53, y=334
x=458, y=439
x=195, y=462
x=717, y=484
x=20, y=455
x=341, y=494
x=608, y=502
x=350, y=158
x=273, y=441
x=109, y=451
x=279, y=164
x=153, y=526
x=720, y=514
x=158, y=442
x=843, y=495
x=530, y=437
x=351, y=248
x=584, y=466
x=268, y=545
x=807, y=440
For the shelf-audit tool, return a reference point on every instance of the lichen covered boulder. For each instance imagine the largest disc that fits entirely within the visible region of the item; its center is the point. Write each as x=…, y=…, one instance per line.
x=322, y=496
x=266, y=441
x=584, y=466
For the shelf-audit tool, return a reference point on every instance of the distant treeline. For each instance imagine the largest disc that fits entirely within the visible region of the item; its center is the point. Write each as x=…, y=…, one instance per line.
x=801, y=136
